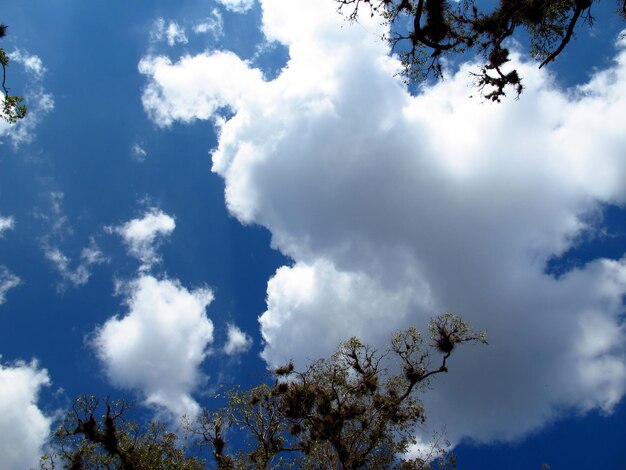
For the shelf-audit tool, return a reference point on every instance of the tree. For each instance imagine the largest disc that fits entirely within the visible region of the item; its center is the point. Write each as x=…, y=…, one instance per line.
x=358, y=409
x=437, y=28
x=12, y=108
x=85, y=442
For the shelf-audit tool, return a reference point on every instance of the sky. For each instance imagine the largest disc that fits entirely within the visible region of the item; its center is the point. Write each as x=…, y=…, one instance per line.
x=205, y=189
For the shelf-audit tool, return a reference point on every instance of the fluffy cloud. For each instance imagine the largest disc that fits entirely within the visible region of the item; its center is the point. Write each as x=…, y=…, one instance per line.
x=238, y=342
x=23, y=426
x=171, y=32
x=238, y=6
x=397, y=207
x=143, y=235
x=158, y=345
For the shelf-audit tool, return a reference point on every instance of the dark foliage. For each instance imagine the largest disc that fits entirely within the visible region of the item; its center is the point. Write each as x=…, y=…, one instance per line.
x=440, y=27
x=357, y=409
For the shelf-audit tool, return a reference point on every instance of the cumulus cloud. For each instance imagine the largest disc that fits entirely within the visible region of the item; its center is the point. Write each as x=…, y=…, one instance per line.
x=24, y=427
x=397, y=207
x=238, y=342
x=143, y=235
x=40, y=103
x=157, y=346
x=213, y=25
x=238, y=6
x=171, y=32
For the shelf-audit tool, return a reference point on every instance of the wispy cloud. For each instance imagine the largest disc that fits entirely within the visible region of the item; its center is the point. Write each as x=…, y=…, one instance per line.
x=213, y=25
x=80, y=274
x=72, y=274
x=169, y=31
x=8, y=281
x=138, y=152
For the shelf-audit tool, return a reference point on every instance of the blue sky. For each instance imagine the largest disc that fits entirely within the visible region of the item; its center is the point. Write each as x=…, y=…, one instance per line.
x=203, y=189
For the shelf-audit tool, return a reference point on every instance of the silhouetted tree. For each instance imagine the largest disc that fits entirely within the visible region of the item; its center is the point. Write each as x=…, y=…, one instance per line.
x=357, y=409
x=437, y=28
x=85, y=441
x=12, y=108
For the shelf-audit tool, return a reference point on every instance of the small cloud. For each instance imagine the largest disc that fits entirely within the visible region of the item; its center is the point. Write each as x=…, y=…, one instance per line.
x=6, y=223
x=238, y=6
x=171, y=32
x=157, y=347
x=213, y=25
x=238, y=342
x=139, y=153
x=8, y=281
x=142, y=236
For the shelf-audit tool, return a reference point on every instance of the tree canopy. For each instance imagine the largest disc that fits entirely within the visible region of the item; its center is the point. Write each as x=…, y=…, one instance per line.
x=360, y=408
x=423, y=32
x=12, y=108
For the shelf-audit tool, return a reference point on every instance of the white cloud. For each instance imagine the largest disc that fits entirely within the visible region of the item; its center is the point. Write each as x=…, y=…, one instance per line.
x=23, y=426
x=193, y=88
x=396, y=208
x=157, y=347
x=171, y=32
x=238, y=342
x=8, y=281
x=213, y=25
x=142, y=236
x=238, y=6
x=6, y=223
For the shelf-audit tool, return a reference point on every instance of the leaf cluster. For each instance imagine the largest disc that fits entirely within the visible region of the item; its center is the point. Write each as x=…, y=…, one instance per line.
x=12, y=108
